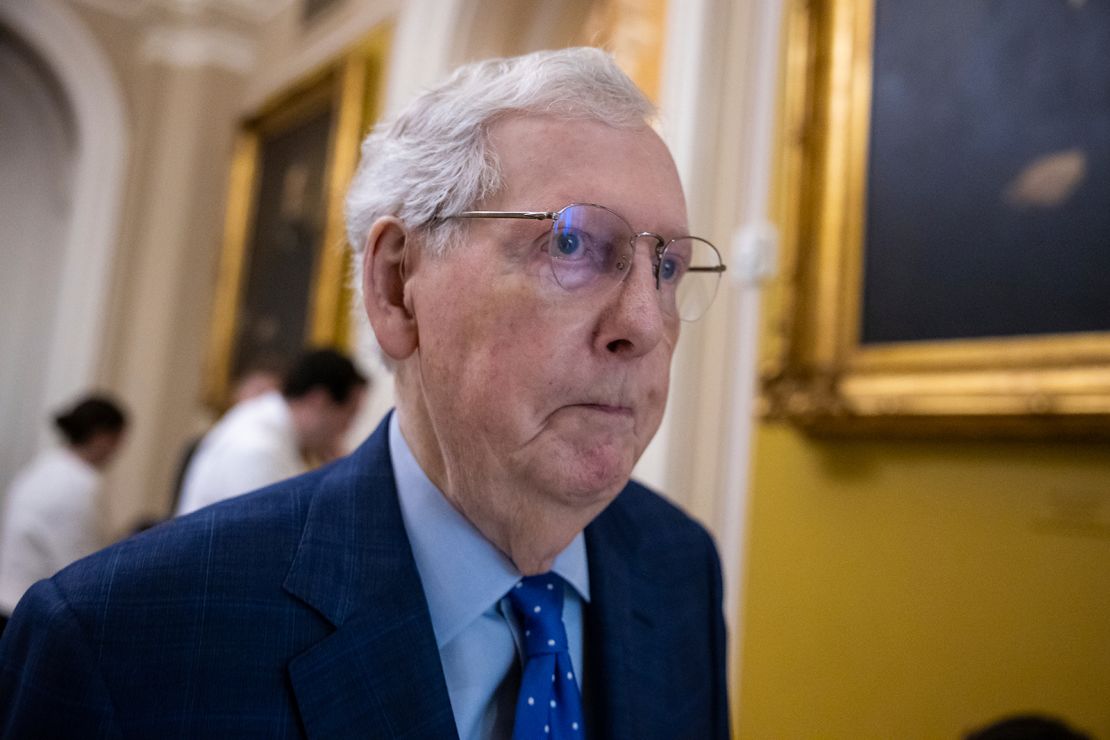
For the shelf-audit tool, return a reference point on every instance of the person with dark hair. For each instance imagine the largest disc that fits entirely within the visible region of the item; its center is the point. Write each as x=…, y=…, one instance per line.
x=50, y=509
x=275, y=435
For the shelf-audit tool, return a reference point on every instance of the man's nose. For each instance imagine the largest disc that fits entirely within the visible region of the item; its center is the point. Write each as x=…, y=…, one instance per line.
x=632, y=322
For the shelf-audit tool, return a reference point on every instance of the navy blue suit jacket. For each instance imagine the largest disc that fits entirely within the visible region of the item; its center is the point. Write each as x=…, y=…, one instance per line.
x=298, y=611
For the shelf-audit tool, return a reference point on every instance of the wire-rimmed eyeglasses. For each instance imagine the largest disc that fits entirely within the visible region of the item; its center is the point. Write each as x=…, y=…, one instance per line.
x=591, y=249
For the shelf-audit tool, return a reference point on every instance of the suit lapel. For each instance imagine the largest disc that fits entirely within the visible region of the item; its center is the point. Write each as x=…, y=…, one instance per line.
x=379, y=673
x=616, y=631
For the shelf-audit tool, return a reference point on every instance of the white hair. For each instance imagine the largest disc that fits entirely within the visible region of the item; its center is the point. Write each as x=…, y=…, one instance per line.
x=434, y=158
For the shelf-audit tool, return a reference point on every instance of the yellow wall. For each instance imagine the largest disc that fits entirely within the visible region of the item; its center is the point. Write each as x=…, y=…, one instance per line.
x=918, y=589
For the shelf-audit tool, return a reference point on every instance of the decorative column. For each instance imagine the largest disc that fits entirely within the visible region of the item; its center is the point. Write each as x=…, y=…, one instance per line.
x=185, y=79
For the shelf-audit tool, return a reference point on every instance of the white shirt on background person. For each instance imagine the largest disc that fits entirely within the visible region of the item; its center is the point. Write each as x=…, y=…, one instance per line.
x=252, y=446
x=49, y=521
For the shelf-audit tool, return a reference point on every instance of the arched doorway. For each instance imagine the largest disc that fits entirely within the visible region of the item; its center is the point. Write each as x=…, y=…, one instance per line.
x=37, y=147
x=63, y=149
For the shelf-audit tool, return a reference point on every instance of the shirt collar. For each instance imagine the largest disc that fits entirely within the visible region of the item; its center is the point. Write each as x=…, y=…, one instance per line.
x=462, y=572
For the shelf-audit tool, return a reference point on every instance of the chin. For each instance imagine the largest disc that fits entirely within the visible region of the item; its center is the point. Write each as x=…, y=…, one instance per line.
x=593, y=476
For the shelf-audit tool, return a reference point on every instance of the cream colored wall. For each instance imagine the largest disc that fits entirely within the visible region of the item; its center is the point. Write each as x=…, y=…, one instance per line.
x=181, y=118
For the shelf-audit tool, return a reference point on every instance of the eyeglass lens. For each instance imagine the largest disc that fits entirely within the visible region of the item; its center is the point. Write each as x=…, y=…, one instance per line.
x=591, y=249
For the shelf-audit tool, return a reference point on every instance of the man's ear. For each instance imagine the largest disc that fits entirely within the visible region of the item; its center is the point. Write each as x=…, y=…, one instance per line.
x=383, y=288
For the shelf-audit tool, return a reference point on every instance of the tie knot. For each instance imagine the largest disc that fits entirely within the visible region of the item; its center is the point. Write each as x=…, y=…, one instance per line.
x=538, y=603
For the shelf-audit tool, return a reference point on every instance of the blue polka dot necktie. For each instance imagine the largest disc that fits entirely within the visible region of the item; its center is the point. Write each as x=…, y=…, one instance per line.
x=549, y=705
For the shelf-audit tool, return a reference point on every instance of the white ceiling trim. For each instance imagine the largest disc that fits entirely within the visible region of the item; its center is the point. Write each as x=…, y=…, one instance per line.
x=199, y=47
x=248, y=11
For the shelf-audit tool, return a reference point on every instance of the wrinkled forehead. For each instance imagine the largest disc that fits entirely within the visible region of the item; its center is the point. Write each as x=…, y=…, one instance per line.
x=547, y=162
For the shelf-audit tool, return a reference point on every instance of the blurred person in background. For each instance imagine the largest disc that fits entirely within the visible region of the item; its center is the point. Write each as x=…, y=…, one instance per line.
x=277, y=435
x=256, y=381
x=50, y=511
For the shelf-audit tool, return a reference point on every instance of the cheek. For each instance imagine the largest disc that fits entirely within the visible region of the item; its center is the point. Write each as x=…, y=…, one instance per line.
x=659, y=390
x=488, y=366
x=516, y=348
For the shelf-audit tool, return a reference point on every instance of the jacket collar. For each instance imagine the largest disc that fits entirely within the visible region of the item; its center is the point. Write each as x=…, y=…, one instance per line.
x=379, y=673
x=617, y=629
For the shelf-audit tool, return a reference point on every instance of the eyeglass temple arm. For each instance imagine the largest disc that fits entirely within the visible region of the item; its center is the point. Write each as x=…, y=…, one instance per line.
x=533, y=215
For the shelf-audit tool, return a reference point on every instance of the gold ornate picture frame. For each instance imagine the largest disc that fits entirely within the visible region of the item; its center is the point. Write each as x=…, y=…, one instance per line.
x=817, y=371
x=282, y=276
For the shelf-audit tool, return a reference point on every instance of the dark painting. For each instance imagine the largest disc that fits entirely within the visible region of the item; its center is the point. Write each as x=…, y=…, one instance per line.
x=282, y=254
x=989, y=170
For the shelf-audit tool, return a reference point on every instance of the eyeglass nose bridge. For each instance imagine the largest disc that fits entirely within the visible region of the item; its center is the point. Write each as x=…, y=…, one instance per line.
x=658, y=251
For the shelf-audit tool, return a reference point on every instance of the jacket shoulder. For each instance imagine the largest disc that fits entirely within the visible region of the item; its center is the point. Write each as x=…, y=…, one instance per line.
x=239, y=546
x=653, y=516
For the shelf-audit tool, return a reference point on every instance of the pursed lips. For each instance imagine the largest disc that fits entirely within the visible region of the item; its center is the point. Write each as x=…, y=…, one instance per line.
x=614, y=409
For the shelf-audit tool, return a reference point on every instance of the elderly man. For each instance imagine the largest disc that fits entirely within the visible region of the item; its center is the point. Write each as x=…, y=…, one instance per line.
x=481, y=567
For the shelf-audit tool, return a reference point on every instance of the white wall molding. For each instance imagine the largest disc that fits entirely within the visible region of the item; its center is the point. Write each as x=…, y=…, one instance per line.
x=719, y=100
x=118, y=8
x=755, y=249
x=246, y=11
x=427, y=36
x=683, y=121
x=91, y=89
x=321, y=46
x=196, y=46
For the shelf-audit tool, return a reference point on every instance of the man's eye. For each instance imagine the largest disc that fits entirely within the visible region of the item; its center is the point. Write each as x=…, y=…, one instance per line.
x=670, y=269
x=569, y=244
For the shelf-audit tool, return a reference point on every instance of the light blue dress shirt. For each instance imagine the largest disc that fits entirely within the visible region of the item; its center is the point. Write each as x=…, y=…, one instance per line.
x=465, y=581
